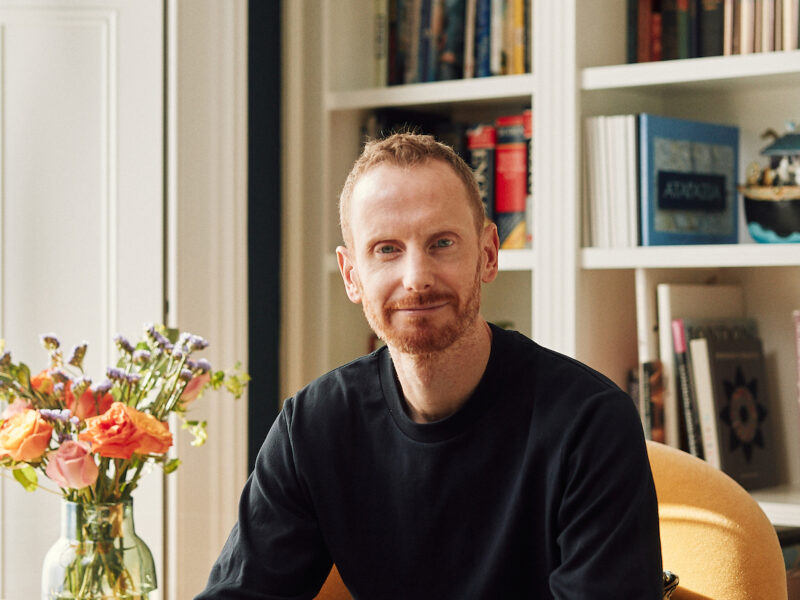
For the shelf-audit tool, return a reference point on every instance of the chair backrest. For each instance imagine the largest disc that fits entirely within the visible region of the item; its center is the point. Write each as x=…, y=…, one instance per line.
x=714, y=535
x=333, y=588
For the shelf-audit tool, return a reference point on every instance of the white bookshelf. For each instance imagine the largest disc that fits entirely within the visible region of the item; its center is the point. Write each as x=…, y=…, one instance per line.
x=581, y=301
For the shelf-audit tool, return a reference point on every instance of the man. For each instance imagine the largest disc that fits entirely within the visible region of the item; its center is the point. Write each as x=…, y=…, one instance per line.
x=460, y=461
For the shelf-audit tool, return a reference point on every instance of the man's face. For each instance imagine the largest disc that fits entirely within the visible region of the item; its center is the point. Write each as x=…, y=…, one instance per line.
x=416, y=260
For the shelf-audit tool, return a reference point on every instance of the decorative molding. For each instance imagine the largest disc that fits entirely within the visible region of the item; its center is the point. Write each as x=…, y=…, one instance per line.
x=207, y=242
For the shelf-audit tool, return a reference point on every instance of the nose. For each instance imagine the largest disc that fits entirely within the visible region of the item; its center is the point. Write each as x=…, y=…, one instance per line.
x=418, y=274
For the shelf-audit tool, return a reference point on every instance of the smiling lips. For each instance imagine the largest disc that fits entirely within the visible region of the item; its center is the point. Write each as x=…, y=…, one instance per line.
x=421, y=302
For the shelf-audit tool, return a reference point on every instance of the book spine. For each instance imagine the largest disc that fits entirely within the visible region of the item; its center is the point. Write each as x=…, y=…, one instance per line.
x=425, y=42
x=632, y=24
x=644, y=30
x=768, y=26
x=688, y=405
x=796, y=323
x=645, y=406
x=483, y=36
x=669, y=29
x=747, y=26
x=511, y=181
x=496, y=41
x=711, y=18
x=518, y=37
x=381, y=48
x=656, y=36
x=393, y=67
x=414, y=26
x=729, y=10
x=451, y=57
x=704, y=390
x=470, y=15
x=527, y=121
x=481, y=141
x=682, y=29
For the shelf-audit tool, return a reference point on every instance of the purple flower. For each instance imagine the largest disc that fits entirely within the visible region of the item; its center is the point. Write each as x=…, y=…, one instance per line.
x=115, y=374
x=186, y=375
x=50, y=341
x=78, y=352
x=101, y=389
x=123, y=344
x=132, y=378
x=55, y=414
x=204, y=365
x=79, y=386
x=141, y=357
x=58, y=388
x=177, y=352
x=196, y=343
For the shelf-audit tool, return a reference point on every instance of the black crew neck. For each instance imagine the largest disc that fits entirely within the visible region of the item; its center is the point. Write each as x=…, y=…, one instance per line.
x=452, y=425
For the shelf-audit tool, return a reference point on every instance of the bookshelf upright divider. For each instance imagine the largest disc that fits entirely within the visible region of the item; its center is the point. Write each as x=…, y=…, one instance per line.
x=580, y=301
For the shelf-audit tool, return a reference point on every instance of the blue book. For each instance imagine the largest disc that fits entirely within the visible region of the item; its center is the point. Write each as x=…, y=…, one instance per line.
x=483, y=35
x=688, y=172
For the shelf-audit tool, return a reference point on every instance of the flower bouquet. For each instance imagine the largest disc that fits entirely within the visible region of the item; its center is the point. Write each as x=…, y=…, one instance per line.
x=94, y=440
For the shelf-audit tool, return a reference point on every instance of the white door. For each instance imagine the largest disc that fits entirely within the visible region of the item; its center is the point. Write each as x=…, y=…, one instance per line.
x=81, y=215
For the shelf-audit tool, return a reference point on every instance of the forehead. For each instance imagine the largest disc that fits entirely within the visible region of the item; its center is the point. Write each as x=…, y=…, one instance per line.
x=395, y=190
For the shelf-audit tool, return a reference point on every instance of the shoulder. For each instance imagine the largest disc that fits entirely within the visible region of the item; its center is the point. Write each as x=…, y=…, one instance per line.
x=338, y=393
x=544, y=367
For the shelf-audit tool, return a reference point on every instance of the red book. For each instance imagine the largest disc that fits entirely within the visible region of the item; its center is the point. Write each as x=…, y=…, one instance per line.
x=481, y=140
x=511, y=180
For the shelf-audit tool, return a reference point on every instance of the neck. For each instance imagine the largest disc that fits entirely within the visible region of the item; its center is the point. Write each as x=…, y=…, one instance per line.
x=436, y=385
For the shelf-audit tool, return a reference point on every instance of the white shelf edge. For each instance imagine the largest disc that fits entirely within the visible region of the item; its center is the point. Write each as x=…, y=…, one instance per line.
x=516, y=260
x=692, y=71
x=509, y=260
x=501, y=87
x=732, y=255
x=780, y=504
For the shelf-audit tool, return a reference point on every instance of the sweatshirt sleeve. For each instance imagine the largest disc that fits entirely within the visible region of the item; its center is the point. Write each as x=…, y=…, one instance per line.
x=608, y=517
x=275, y=550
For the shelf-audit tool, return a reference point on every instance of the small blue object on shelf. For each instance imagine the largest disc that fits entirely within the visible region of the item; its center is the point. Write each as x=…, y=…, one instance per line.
x=688, y=176
x=772, y=195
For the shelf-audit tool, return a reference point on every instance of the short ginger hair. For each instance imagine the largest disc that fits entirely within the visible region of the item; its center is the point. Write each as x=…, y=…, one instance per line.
x=408, y=150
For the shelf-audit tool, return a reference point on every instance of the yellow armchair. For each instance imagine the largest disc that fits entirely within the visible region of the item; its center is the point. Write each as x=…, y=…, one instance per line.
x=714, y=536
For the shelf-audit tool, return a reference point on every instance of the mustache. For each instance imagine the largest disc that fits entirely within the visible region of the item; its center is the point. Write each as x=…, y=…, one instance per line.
x=420, y=300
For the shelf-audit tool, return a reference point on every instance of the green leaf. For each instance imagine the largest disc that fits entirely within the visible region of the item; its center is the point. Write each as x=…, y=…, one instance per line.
x=171, y=465
x=27, y=477
x=198, y=430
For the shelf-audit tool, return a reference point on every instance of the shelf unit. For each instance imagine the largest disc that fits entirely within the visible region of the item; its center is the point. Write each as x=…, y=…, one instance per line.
x=580, y=301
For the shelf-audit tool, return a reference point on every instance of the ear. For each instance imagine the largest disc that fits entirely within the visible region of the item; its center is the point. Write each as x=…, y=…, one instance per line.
x=490, y=250
x=347, y=268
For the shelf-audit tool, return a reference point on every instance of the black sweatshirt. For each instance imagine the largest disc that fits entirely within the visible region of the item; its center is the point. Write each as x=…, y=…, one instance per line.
x=539, y=486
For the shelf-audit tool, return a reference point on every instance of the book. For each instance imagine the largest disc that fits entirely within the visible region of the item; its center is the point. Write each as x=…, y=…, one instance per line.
x=686, y=391
x=481, y=141
x=632, y=25
x=497, y=59
x=791, y=8
x=511, y=180
x=688, y=177
x=732, y=385
x=381, y=41
x=767, y=25
x=651, y=400
x=527, y=120
x=796, y=324
x=483, y=35
x=747, y=26
x=470, y=14
x=414, y=27
x=687, y=301
x=518, y=35
x=711, y=27
x=644, y=19
x=451, y=45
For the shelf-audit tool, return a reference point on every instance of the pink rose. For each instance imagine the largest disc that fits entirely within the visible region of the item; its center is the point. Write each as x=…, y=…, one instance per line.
x=17, y=406
x=72, y=465
x=195, y=387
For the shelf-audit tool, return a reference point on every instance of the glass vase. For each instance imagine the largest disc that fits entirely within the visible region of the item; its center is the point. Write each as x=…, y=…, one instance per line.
x=98, y=556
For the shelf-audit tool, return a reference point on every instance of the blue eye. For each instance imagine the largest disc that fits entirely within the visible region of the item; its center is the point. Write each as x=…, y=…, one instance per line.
x=386, y=249
x=444, y=243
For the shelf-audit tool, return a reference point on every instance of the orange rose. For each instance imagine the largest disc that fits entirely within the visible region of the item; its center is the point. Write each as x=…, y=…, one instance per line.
x=123, y=431
x=25, y=436
x=43, y=382
x=89, y=404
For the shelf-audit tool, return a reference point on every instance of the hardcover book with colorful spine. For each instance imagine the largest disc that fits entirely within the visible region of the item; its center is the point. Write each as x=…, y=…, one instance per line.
x=511, y=180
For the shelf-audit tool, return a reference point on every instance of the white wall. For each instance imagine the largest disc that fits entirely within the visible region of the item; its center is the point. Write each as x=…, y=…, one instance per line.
x=81, y=244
